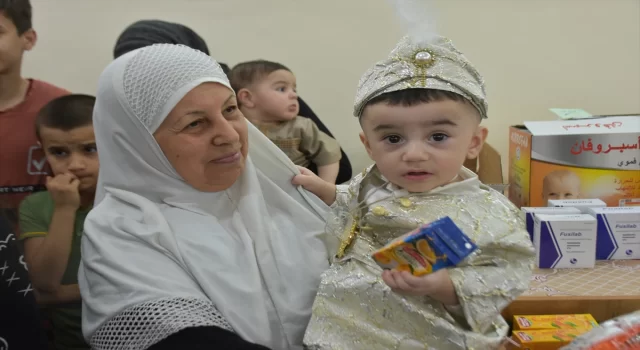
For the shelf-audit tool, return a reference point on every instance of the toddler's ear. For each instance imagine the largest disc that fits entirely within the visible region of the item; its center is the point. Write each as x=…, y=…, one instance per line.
x=365, y=142
x=245, y=98
x=477, y=140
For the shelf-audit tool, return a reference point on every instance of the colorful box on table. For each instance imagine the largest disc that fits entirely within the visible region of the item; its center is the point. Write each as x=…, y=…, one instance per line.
x=565, y=241
x=545, y=339
x=535, y=322
x=530, y=212
x=427, y=249
x=563, y=159
x=618, y=232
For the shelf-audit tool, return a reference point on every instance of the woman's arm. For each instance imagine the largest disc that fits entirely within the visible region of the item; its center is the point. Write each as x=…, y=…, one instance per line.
x=205, y=338
x=66, y=293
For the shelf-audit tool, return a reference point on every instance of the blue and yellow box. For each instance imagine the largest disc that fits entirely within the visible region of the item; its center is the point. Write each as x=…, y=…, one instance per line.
x=429, y=248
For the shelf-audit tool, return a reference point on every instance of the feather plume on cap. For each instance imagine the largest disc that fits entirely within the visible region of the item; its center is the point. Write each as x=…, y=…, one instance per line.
x=418, y=18
x=421, y=60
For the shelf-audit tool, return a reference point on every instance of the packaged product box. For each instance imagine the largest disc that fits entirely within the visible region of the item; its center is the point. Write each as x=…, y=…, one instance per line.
x=575, y=159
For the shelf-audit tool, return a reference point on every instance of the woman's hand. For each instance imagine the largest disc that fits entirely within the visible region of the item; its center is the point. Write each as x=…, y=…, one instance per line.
x=437, y=285
x=311, y=182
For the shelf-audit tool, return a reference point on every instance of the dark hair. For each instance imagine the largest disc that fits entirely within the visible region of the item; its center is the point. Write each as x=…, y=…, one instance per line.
x=19, y=12
x=412, y=97
x=246, y=73
x=225, y=68
x=66, y=113
x=145, y=33
x=416, y=96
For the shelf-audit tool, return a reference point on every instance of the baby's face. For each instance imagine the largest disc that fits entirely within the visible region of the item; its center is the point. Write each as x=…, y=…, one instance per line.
x=561, y=187
x=275, y=97
x=421, y=147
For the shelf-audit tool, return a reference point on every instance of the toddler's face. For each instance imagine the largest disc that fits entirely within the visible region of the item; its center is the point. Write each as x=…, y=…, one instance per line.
x=421, y=147
x=561, y=187
x=275, y=97
x=72, y=151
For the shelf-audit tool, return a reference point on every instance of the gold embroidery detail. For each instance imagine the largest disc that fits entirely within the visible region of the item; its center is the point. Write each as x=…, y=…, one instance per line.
x=379, y=211
x=287, y=143
x=347, y=238
x=405, y=202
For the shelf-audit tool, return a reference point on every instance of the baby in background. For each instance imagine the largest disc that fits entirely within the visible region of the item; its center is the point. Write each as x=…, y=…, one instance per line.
x=267, y=97
x=560, y=184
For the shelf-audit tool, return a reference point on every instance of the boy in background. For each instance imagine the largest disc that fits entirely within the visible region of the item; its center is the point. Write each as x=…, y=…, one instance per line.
x=52, y=221
x=267, y=97
x=24, y=167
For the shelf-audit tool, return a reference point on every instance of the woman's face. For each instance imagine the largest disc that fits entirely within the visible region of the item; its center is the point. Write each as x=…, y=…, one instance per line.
x=205, y=138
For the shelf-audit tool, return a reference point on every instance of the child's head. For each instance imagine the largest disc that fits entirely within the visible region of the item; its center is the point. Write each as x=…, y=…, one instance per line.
x=266, y=90
x=420, y=112
x=16, y=33
x=65, y=130
x=419, y=138
x=560, y=184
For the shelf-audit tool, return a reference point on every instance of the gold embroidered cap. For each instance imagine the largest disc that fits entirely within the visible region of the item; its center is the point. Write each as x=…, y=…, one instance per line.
x=435, y=64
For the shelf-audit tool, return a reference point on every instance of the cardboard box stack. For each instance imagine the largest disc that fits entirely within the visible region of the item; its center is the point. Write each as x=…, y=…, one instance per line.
x=578, y=185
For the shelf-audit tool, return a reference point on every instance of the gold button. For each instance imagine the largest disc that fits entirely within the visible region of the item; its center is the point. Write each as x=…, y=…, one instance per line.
x=405, y=202
x=379, y=211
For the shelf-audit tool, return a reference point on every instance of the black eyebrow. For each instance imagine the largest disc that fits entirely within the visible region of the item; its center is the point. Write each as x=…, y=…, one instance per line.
x=442, y=121
x=382, y=127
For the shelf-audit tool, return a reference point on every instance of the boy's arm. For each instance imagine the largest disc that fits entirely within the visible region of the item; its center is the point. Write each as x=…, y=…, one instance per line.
x=329, y=172
x=500, y=274
x=47, y=251
x=322, y=149
x=324, y=190
x=47, y=245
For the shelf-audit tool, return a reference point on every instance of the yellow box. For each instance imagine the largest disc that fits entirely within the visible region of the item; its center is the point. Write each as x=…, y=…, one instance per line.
x=535, y=322
x=545, y=339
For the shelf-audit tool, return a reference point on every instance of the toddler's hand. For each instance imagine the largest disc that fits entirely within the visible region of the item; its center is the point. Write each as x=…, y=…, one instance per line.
x=311, y=182
x=437, y=285
x=64, y=190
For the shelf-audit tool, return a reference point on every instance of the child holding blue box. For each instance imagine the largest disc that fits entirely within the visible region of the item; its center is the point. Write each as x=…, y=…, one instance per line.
x=420, y=111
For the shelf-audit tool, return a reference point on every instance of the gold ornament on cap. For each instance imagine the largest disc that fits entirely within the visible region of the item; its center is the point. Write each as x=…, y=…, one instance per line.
x=423, y=58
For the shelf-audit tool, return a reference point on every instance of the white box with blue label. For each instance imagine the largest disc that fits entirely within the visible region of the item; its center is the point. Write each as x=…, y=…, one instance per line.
x=530, y=212
x=583, y=204
x=565, y=241
x=618, y=232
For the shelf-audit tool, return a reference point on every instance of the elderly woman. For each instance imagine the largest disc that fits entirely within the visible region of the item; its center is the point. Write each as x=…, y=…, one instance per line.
x=197, y=238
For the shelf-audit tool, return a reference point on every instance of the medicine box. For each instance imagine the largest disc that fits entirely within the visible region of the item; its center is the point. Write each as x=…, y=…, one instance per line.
x=573, y=321
x=530, y=212
x=618, y=232
x=575, y=159
x=565, y=241
x=582, y=204
x=545, y=339
x=431, y=247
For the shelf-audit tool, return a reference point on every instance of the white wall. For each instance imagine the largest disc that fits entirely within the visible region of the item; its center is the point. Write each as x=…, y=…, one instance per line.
x=534, y=54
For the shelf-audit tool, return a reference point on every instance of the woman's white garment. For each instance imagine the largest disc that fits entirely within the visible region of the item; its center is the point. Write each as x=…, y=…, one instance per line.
x=154, y=248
